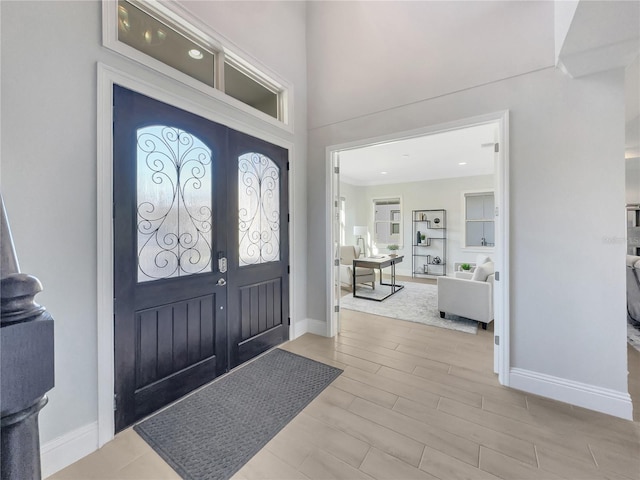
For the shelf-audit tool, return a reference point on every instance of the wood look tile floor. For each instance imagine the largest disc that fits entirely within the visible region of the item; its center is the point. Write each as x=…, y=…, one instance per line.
x=414, y=402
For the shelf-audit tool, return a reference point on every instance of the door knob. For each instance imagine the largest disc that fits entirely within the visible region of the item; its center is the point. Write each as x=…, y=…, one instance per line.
x=222, y=282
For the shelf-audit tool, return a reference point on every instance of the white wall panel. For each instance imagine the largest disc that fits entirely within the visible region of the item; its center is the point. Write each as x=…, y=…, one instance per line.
x=567, y=195
x=366, y=57
x=49, y=54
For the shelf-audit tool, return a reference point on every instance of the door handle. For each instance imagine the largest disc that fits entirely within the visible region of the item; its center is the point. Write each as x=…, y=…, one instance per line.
x=221, y=282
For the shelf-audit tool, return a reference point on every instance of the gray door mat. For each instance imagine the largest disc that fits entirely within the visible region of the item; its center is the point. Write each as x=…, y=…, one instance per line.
x=212, y=433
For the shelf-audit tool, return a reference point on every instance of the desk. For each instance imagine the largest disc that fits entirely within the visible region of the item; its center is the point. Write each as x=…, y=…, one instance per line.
x=378, y=263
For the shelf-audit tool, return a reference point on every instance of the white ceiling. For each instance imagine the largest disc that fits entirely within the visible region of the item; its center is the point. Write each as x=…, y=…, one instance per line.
x=602, y=36
x=370, y=56
x=417, y=159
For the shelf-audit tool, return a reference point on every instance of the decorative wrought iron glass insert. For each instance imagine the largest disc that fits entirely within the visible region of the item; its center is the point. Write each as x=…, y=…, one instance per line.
x=174, y=211
x=258, y=209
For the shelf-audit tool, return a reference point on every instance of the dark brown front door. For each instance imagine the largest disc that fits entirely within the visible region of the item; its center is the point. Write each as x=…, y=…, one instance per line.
x=183, y=316
x=258, y=253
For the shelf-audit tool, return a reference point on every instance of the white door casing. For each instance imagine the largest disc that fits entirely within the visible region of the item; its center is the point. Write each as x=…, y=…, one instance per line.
x=501, y=289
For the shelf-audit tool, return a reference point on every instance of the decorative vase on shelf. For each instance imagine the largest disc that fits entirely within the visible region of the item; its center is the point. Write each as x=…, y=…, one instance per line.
x=418, y=237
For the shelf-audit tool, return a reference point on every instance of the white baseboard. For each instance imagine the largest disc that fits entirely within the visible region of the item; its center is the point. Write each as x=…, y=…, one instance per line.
x=317, y=327
x=310, y=325
x=69, y=448
x=299, y=328
x=611, y=402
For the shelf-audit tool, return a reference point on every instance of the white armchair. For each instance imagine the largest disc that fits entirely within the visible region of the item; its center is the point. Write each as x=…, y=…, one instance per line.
x=363, y=275
x=469, y=298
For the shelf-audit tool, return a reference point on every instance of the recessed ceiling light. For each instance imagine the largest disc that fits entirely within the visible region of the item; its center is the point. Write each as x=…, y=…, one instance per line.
x=195, y=53
x=406, y=155
x=383, y=173
x=462, y=163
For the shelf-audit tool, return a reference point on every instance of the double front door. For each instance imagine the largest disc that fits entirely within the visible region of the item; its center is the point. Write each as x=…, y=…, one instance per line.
x=200, y=251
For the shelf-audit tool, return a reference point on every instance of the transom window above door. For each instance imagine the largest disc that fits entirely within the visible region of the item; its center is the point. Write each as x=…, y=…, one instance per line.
x=163, y=38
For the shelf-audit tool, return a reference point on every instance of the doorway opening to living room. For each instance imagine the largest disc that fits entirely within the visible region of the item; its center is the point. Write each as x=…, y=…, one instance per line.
x=437, y=198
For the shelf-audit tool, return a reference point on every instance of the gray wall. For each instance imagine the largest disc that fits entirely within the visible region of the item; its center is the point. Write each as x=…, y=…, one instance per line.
x=633, y=180
x=567, y=280
x=432, y=194
x=49, y=55
x=367, y=57
x=567, y=284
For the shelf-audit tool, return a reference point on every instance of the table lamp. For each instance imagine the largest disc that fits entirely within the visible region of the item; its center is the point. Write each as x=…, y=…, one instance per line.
x=360, y=232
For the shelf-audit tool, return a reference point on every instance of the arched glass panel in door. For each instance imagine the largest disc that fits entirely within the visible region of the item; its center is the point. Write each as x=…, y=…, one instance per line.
x=174, y=211
x=258, y=209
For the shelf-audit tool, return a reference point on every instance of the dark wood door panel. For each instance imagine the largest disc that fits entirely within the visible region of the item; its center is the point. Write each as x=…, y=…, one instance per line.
x=258, y=293
x=260, y=307
x=173, y=337
x=156, y=395
x=177, y=324
x=261, y=317
x=149, y=295
x=262, y=342
x=169, y=209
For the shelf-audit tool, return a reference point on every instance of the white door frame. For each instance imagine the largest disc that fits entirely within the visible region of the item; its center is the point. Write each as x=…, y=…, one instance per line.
x=502, y=290
x=107, y=77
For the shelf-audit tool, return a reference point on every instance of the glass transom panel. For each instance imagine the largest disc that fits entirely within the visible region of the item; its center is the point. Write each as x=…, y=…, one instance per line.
x=143, y=32
x=244, y=88
x=174, y=206
x=258, y=210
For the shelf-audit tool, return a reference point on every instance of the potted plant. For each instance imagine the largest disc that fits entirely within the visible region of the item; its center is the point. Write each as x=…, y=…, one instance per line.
x=393, y=248
x=465, y=267
x=423, y=238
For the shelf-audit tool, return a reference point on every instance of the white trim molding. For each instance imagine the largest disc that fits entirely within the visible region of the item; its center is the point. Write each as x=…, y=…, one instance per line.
x=310, y=325
x=332, y=318
x=502, y=310
x=69, y=448
x=317, y=327
x=301, y=327
x=181, y=20
x=502, y=306
x=605, y=400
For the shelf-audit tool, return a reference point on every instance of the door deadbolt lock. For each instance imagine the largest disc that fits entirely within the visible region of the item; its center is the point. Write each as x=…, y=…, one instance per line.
x=222, y=264
x=222, y=282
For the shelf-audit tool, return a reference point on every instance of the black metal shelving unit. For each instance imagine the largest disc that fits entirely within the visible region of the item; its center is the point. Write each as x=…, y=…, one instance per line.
x=429, y=256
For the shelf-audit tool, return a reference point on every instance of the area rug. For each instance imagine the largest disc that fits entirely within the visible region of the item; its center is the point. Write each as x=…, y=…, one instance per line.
x=212, y=433
x=416, y=302
x=633, y=336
